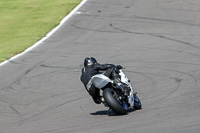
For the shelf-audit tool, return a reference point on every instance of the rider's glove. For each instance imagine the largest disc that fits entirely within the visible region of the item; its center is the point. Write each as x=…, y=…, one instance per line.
x=119, y=66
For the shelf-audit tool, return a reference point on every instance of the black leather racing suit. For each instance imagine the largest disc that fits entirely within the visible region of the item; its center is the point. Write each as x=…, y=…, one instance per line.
x=92, y=70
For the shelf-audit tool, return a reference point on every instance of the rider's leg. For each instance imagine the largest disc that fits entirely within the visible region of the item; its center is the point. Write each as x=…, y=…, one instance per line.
x=113, y=73
x=108, y=73
x=115, y=76
x=95, y=93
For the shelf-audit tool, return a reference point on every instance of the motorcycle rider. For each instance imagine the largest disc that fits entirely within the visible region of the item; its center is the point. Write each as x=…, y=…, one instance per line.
x=91, y=68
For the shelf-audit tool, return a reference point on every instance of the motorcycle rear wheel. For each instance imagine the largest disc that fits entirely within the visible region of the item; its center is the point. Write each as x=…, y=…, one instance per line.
x=112, y=102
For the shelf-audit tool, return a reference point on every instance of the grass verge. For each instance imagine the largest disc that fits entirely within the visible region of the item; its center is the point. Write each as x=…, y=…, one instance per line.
x=24, y=22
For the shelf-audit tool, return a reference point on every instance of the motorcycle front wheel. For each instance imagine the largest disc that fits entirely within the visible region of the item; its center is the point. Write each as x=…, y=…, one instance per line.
x=137, y=103
x=110, y=98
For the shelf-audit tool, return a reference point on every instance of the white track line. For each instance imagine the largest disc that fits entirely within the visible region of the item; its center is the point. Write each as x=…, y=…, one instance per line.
x=48, y=35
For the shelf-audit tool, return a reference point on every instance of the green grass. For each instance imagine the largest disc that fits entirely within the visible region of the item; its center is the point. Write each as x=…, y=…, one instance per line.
x=24, y=22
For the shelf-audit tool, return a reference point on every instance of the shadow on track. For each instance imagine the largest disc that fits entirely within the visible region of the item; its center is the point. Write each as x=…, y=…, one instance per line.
x=110, y=112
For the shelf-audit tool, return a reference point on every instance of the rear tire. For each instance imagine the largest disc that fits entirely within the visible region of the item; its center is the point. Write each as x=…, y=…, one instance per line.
x=112, y=102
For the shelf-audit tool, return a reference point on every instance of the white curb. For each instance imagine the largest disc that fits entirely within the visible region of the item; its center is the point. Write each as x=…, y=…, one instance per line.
x=48, y=34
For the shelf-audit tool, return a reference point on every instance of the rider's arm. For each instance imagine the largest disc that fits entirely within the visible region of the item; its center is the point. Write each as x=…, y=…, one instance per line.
x=103, y=66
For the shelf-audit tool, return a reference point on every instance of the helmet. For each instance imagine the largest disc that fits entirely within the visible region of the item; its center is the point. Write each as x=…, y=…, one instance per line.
x=89, y=61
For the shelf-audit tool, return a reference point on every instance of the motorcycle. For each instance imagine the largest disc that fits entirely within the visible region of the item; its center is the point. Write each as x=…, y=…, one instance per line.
x=119, y=97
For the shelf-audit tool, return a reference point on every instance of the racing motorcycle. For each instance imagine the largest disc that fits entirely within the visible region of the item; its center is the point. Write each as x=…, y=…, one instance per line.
x=120, y=96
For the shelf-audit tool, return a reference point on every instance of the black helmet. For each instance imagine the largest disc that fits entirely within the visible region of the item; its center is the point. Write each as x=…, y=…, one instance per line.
x=89, y=61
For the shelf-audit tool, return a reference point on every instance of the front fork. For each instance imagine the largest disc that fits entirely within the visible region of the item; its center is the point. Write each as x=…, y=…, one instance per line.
x=130, y=101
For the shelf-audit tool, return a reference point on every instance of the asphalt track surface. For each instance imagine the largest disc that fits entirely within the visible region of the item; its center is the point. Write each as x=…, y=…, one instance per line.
x=158, y=43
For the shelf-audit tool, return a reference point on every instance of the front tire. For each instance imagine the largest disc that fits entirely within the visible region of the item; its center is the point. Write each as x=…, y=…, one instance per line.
x=112, y=102
x=137, y=103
